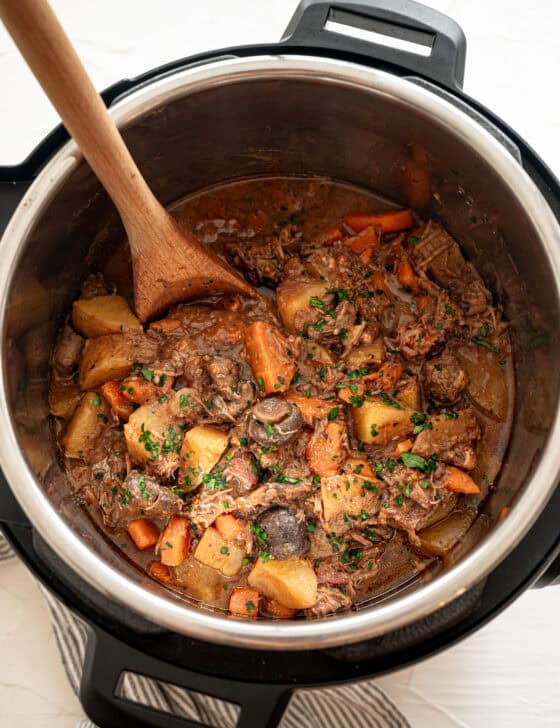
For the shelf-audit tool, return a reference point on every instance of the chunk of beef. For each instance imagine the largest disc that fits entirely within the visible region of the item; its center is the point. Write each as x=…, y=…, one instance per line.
x=414, y=339
x=240, y=475
x=444, y=378
x=329, y=600
x=93, y=286
x=452, y=440
x=471, y=295
x=262, y=260
x=140, y=496
x=332, y=572
x=67, y=352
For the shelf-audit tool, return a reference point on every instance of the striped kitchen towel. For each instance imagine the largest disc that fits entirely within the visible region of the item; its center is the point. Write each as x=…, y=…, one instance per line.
x=358, y=705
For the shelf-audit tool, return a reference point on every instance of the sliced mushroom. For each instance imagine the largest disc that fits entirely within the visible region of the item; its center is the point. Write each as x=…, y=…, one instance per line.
x=274, y=422
x=286, y=532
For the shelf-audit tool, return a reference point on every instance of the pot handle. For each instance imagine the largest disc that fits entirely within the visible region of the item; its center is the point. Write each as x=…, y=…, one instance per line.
x=426, y=42
x=106, y=659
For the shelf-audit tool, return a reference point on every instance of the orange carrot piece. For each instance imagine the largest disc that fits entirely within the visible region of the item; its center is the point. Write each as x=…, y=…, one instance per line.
x=378, y=284
x=267, y=351
x=358, y=467
x=275, y=609
x=175, y=541
x=421, y=302
x=460, y=482
x=503, y=513
x=331, y=235
x=387, y=376
x=144, y=533
x=140, y=391
x=311, y=407
x=120, y=406
x=387, y=222
x=229, y=526
x=244, y=602
x=407, y=277
x=367, y=239
x=353, y=389
x=366, y=256
x=166, y=325
x=324, y=450
x=159, y=571
x=403, y=446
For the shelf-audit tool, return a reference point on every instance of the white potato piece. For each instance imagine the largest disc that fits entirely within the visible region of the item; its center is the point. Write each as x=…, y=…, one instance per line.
x=215, y=551
x=85, y=426
x=112, y=356
x=293, y=295
x=346, y=499
x=362, y=356
x=104, y=315
x=153, y=438
x=203, y=446
x=293, y=583
x=377, y=422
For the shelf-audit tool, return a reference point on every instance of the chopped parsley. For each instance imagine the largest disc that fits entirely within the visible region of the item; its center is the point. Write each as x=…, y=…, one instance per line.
x=485, y=344
x=147, y=373
x=333, y=414
x=391, y=402
x=449, y=310
x=96, y=400
x=316, y=302
x=224, y=550
x=411, y=460
x=214, y=481
x=373, y=430
x=250, y=606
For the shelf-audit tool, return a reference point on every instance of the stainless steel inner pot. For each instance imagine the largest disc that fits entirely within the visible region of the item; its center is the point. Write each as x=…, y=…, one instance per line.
x=265, y=115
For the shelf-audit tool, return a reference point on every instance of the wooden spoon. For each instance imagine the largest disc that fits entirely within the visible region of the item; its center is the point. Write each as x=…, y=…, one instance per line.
x=169, y=265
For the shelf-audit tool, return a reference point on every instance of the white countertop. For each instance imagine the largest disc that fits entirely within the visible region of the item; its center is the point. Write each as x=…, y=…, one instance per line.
x=508, y=674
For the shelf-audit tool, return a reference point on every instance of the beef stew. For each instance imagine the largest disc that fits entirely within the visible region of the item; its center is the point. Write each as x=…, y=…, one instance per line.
x=298, y=454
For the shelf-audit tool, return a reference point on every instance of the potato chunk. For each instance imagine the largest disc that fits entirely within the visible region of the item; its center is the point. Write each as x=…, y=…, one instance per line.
x=63, y=398
x=378, y=422
x=366, y=355
x=112, y=356
x=104, y=315
x=293, y=583
x=203, y=582
x=409, y=396
x=87, y=423
x=154, y=439
x=215, y=551
x=295, y=294
x=203, y=446
x=344, y=497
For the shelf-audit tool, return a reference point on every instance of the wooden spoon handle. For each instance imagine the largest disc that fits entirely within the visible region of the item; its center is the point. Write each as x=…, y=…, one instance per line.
x=54, y=62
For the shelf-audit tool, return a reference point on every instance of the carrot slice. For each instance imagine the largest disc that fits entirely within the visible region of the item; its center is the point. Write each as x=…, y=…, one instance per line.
x=324, y=450
x=421, y=302
x=407, y=277
x=244, y=602
x=387, y=376
x=140, y=391
x=144, y=533
x=159, y=571
x=166, y=325
x=379, y=285
x=120, y=406
x=367, y=239
x=459, y=482
x=175, y=541
x=229, y=526
x=331, y=235
x=357, y=466
x=267, y=351
x=275, y=609
x=311, y=407
x=387, y=222
x=403, y=446
x=503, y=513
x=351, y=391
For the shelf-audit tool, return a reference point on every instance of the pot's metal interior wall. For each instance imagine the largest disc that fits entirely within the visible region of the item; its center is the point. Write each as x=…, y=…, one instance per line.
x=296, y=127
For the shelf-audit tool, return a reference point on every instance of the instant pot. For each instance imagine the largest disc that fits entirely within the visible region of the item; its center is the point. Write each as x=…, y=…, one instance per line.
x=328, y=99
